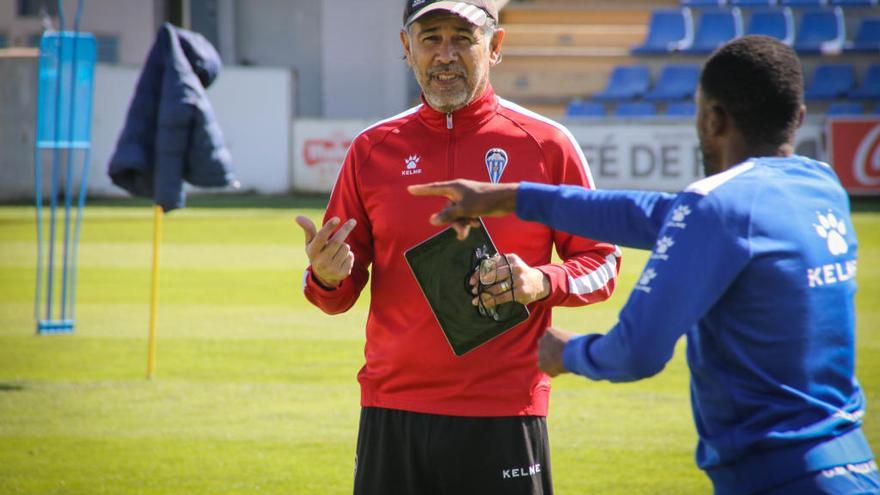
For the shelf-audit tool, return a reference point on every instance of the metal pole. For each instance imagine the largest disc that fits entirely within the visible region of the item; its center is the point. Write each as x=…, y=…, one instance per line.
x=154, y=292
x=68, y=176
x=38, y=192
x=84, y=179
x=56, y=159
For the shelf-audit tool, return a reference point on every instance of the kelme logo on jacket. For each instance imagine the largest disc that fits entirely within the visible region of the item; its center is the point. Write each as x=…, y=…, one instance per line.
x=832, y=230
x=496, y=162
x=412, y=163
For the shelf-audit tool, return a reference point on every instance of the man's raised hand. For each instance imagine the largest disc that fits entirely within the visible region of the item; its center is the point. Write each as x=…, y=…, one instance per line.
x=468, y=200
x=330, y=257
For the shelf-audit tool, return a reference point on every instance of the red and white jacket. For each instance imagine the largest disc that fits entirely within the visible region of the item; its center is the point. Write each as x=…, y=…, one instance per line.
x=409, y=364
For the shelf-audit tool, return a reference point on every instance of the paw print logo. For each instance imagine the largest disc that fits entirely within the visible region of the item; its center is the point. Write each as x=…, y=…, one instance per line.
x=412, y=161
x=832, y=230
x=663, y=244
x=647, y=276
x=680, y=213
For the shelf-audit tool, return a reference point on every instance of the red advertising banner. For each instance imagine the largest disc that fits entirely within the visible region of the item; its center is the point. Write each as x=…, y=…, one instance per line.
x=854, y=149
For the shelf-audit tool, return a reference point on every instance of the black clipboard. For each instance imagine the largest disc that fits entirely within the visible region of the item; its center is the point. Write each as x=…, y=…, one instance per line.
x=441, y=265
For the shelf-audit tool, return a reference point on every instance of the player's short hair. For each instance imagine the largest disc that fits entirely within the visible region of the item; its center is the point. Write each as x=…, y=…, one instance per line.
x=758, y=80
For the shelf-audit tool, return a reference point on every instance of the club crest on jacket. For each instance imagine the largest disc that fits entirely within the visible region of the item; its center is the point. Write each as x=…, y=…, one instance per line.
x=496, y=162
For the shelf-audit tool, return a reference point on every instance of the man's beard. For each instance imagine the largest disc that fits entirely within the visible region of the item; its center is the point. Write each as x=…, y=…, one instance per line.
x=452, y=99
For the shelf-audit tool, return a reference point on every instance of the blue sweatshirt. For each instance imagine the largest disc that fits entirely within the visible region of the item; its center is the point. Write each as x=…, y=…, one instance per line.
x=756, y=265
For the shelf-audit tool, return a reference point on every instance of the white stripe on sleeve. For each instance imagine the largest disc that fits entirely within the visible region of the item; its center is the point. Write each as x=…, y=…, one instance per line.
x=596, y=279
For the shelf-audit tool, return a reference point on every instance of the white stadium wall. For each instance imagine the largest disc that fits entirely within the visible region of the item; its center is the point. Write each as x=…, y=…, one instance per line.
x=253, y=106
x=662, y=156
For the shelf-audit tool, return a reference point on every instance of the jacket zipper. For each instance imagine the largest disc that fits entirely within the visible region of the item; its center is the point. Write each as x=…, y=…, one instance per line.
x=450, y=161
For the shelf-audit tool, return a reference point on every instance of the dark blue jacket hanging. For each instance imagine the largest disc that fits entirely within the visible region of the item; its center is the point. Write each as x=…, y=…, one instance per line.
x=171, y=133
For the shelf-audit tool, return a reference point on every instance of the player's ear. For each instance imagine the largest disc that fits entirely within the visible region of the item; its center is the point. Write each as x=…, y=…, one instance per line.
x=404, y=41
x=718, y=120
x=495, y=46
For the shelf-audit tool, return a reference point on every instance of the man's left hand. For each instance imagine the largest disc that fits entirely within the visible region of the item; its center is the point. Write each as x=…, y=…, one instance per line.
x=529, y=284
x=550, y=347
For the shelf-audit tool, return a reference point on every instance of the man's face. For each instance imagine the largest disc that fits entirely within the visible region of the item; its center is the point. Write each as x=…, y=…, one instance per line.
x=709, y=146
x=450, y=58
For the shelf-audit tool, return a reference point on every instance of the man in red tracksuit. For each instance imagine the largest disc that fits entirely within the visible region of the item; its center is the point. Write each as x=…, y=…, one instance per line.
x=433, y=422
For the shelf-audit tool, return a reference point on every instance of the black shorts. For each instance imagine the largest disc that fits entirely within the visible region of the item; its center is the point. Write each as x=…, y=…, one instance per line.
x=407, y=453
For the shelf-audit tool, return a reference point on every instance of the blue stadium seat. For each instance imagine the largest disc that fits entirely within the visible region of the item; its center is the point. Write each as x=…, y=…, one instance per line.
x=668, y=30
x=877, y=109
x=776, y=23
x=854, y=3
x=681, y=109
x=803, y=3
x=847, y=108
x=637, y=109
x=831, y=81
x=627, y=82
x=867, y=39
x=676, y=82
x=589, y=109
x=821, y=31
x=703, y=3
x=870, y=87
x=715, y=28
x=753, y=3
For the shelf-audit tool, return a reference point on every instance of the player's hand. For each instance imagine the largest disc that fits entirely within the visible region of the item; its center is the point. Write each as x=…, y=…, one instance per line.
x=550, y=347
x=529, y=284
x=330, y=257
x=468, y=200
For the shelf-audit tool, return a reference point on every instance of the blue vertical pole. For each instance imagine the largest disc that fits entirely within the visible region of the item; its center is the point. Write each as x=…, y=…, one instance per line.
x=38, y=192
x=56, y=168
x=84, y=178
x=68, y=176
x=71, y=76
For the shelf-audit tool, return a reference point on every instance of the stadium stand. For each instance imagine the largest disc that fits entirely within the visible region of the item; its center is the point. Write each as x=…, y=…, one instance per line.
x=576, y=57
x=559, y=50
x=636, y=109
x=669, y=30
x=821, y=32
x=870, y=87
x=626, y=83
x=845, y=108
x=676, y=82
x=715, y=28
x=867, y=38
x=776, y=23
x=831, y=81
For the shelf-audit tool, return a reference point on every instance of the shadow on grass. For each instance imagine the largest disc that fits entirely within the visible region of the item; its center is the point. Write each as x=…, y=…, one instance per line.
x=865, y=204
x=11, y=387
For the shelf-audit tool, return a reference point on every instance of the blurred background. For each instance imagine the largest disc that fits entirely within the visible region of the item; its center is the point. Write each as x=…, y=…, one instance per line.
x=255, y=390
x=302, y=77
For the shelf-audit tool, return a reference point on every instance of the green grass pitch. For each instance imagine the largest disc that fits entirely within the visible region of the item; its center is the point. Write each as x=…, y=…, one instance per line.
x=256, y=389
